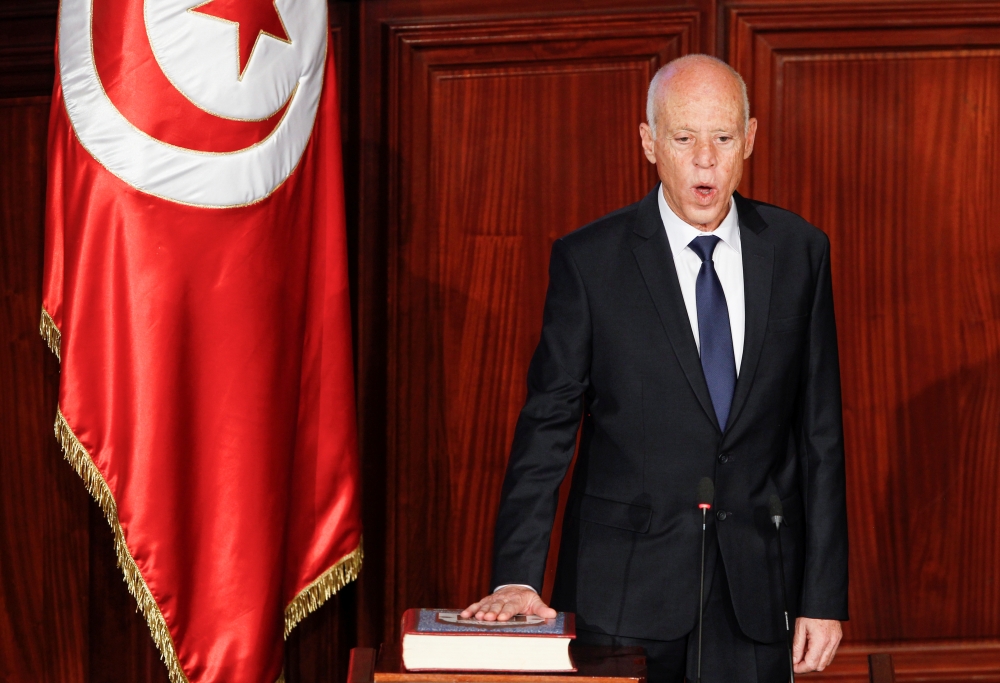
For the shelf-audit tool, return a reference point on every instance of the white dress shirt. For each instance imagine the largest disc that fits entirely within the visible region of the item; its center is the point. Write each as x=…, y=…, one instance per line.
x=728, y=258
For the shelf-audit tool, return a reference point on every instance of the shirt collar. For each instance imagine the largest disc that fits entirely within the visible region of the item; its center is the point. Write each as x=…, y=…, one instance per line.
x=680, y=234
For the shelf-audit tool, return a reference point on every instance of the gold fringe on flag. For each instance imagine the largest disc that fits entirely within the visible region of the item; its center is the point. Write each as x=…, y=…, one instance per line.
x=81, y=461
x=50, y=333
x=307, y=601
x=312, y=597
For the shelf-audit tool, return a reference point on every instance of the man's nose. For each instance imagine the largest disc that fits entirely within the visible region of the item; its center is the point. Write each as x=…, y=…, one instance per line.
x=704, y=155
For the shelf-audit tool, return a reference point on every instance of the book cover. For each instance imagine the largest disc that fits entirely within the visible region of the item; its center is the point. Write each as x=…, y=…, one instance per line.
x=448, y=622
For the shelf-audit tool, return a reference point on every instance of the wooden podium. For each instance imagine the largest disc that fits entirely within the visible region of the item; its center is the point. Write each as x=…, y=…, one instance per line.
x=594, y=665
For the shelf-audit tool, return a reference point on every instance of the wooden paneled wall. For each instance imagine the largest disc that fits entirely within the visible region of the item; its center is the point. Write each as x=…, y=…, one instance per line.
x=476, y=133
x=881, y=124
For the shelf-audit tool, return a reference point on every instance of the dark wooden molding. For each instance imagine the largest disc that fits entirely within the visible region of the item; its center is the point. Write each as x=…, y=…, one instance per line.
x=27, y=48
x=947, y=661
x=864, y=110
x=765, y=37
x=880, y=668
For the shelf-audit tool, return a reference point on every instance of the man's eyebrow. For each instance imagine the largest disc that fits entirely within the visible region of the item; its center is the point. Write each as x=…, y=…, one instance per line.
x=691, y=130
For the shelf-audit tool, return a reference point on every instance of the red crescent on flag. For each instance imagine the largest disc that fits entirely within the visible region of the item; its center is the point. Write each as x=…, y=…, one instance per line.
x=137, y=86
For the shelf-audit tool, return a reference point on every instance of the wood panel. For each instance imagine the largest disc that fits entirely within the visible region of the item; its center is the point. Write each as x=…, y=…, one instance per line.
x=121, y=648
x=492, y=156
x=43, y=507
x=919, y=661
x=27, y=47
x=880, y=122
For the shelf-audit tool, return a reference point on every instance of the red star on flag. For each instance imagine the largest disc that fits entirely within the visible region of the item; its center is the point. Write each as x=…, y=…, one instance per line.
x=253, y=19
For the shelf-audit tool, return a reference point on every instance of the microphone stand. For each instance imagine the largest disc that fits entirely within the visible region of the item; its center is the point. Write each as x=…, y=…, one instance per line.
x=706, y=496
x=778, y=518
x=701, y=590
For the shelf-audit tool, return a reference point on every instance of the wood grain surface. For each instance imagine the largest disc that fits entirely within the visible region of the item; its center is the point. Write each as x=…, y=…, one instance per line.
x=923, y=661
x=43, y=508
x=880, y=668
x=885, y=133
x=881, y=125
x=27, y=54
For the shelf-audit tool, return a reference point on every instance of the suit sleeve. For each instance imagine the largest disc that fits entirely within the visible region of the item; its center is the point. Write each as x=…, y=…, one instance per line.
x=545, y=436
x=824, y=588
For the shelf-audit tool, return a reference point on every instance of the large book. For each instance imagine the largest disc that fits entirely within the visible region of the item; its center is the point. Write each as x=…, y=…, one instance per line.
x=440, y=640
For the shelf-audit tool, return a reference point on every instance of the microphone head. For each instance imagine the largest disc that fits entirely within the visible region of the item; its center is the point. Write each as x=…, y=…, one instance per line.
x=706, y=493
x=774, y=506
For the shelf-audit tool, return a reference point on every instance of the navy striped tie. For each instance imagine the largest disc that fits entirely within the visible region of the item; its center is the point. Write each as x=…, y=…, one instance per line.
x=715, y=336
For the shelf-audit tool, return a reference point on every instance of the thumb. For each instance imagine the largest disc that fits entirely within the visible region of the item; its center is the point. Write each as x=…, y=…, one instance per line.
x=799, y=642
x=539, y=608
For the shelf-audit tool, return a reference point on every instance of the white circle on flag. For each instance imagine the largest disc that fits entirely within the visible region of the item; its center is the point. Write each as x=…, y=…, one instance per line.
x=196, y=53
x=199, y=54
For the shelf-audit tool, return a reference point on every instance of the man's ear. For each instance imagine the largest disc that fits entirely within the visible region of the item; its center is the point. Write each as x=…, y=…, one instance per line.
x=646, y=133
x=751, y=135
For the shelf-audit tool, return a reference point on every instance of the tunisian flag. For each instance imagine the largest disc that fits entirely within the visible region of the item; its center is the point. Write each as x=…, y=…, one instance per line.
x=196, y=292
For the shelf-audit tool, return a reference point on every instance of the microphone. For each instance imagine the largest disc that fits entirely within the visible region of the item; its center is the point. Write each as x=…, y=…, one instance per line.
x=706, y=495
x=777, y=516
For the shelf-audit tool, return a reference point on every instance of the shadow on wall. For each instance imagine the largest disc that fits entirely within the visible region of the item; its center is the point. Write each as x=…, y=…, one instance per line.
x=938, y=522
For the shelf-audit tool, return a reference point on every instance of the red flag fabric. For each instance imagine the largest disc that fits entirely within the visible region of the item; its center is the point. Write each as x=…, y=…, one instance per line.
x=196, y=292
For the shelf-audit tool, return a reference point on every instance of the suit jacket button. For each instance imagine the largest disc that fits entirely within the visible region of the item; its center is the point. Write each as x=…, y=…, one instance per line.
x=724, y=458
x=721, y=515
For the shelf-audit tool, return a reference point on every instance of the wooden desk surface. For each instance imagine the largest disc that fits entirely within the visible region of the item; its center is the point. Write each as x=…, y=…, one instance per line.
x=594, y=665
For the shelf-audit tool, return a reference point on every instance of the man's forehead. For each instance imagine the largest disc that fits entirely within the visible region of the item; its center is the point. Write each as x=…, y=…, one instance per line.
x=695, y=119
x=701, y=77
x=702, y=95
x=700, y=110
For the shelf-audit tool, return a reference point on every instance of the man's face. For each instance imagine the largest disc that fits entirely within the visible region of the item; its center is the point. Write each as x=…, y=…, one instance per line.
x=700, y=142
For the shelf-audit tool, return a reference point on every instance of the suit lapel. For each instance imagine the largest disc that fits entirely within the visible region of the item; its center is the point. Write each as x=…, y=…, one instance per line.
x=758, y=266
x=656, y=263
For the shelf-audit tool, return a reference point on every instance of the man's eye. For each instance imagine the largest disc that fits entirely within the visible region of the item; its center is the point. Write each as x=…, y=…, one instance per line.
x=725, y=138
x=684, y=139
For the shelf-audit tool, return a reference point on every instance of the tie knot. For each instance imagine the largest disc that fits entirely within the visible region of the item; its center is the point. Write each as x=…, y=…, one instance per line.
x=704, y=246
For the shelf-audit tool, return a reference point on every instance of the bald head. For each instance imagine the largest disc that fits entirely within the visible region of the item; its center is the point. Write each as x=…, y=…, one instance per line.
x=691, y=74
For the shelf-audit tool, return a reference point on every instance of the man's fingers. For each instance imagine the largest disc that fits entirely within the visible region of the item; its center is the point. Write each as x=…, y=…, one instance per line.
x=820, y=649
x=470, y=610
x=798, y=642
x=829, y=653
x=814, y=651
x=815, y=644
x=494, y=611
x=507, y=603
x=545, y=612
x=817, y=640
x=509, y=610
x=539, y=608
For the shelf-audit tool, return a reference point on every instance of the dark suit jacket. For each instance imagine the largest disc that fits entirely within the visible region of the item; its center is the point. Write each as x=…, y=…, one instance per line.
x=617, y=349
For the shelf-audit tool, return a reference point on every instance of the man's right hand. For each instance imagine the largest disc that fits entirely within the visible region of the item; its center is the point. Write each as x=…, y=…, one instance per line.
x=508, y=601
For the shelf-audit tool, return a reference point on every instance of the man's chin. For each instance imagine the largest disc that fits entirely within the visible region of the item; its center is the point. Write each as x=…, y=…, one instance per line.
x=705, y=215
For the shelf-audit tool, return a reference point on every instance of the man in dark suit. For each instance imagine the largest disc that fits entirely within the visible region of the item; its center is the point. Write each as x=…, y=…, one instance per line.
x=691, y=335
